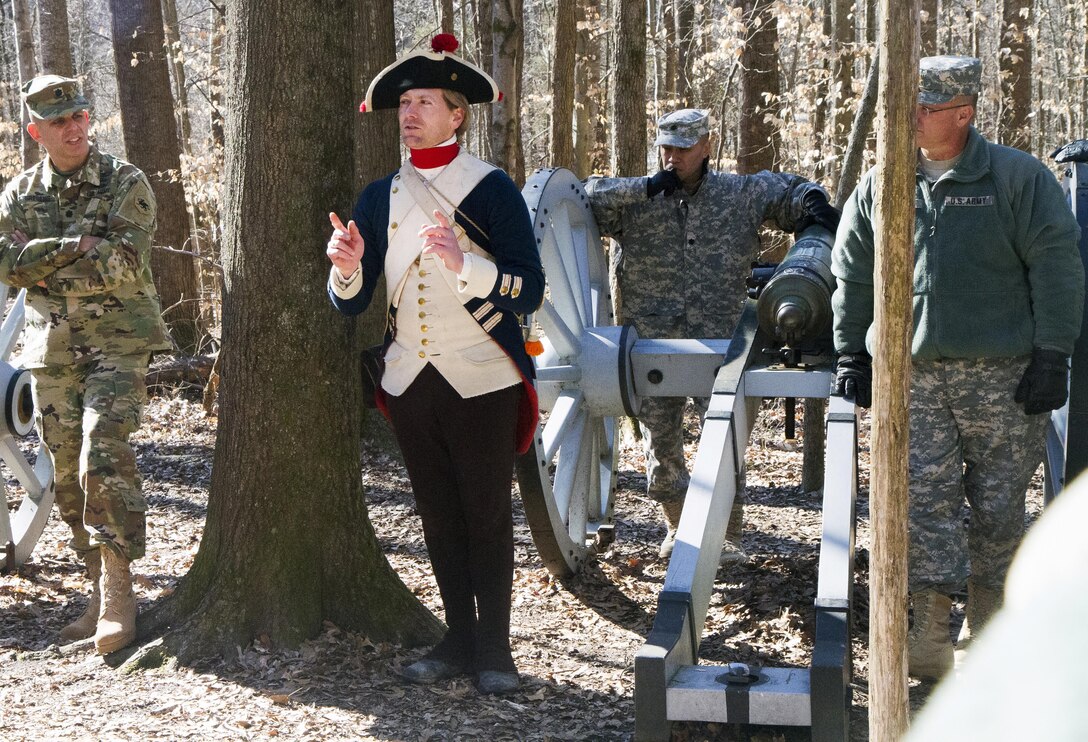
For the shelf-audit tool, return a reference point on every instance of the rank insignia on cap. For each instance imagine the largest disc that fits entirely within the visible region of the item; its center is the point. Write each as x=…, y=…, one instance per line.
x=438, y=68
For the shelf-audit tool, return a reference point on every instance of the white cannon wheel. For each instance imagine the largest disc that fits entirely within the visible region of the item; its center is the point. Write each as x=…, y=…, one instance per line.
x=568, y=477
x=20, y=526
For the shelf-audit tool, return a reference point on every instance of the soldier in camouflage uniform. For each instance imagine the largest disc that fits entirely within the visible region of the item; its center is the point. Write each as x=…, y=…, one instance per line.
x=688, y=236
x=998, y=291
x=75, y=232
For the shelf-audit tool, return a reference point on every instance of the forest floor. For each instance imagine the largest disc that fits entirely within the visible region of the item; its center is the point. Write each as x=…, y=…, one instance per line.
x=574, y=640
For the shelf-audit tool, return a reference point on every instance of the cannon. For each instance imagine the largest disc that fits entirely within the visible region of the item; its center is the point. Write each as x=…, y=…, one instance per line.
x=593, y=371
x=20, y=527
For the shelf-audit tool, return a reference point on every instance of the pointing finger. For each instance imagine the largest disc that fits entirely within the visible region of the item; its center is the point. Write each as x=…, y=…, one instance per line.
x=442, y=220
x=335, y=221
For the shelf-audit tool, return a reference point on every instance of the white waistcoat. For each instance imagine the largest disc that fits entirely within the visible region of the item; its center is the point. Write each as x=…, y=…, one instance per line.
x=433, y=325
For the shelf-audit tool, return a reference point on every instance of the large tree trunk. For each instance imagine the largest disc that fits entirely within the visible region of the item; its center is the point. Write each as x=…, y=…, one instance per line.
x=1016, y=74
x=151, y=141
x=485, y=114
x=819, y=114
x=588, y=155
x=446, y=20
x=760, y=139
x=684, y=15
x=287, y=543
x=26, y=53
x=56, y=45
x=842, y=69
x=377, y=143
x=562, y=133
x=9, y=78
x=629, y=98
x=893, y=223
x=508, y=39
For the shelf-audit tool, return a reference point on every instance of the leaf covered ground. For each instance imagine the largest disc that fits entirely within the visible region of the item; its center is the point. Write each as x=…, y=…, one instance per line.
x=574, y=640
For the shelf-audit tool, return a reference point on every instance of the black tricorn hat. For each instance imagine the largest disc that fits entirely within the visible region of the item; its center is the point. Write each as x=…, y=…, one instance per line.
x=439, y=68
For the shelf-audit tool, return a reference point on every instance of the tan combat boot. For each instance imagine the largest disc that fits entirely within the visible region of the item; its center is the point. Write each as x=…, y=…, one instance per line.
x=84, y=626
x=117, y=620
x=982, y=604
x=929, y=648
x=671, y=511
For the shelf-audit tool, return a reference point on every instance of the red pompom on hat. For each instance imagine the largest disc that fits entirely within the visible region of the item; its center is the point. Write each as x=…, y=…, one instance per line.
x=444, y=42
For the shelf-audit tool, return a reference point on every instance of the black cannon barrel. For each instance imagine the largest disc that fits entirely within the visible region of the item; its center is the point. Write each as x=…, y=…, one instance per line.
x=795, y=306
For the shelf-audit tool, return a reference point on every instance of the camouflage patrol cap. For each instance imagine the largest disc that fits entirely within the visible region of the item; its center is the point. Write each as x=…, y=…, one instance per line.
x=943, y=78
x=49, y=96
x=682, y=128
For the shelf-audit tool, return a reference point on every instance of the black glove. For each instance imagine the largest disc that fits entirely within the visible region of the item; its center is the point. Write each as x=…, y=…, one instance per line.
x=818, y=211
x=1045, y=384
x=854, y=378
x=666, y=181
x=1076, y=151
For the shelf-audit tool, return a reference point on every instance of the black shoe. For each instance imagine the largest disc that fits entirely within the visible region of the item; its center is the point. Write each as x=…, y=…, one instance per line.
x=427, y=671
x=497, y=682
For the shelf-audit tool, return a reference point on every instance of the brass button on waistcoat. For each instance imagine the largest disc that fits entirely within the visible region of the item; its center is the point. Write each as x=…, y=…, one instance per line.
x=422, y=286
x=422, y=354
x=424, y=341
x=423, y=328
x=422, y=301
x=422, y=315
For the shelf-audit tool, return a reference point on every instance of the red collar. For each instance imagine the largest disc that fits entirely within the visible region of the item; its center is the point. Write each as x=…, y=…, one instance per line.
x=435, y=156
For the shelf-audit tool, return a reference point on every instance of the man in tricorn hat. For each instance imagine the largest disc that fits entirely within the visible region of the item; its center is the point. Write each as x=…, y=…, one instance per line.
x=456, y=380
x=998, y=291
x=688, y=236
x=75, y=232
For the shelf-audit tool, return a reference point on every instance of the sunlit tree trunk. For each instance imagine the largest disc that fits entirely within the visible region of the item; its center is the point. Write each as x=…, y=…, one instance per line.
x=26, y=52
x=152, y=144
x=509, y=47
x=56, y=44
x=562, y=133
x=287, y=543
x=1016, y=74
x=629, y=99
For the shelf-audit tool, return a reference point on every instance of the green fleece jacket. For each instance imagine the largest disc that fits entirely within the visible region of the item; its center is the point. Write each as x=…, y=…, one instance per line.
x=996, y=266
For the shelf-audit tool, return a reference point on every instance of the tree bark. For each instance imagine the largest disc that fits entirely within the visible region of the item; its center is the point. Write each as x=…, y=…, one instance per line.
x=56, y=44
x=287, y=544
x=684, y=12
x=819, y=115
x=850, y=172
x=508, y=40
x=1015, y=59
x=760, y=139
x=893, y=226
x=629, y=99
x=151, y=141
x=588, y=156
x=929, y=28
x=377, y=143
x=842, y=69
x=563, y=60
x=446, y=21
x=9, y=78
x=26, y=53
x=486, y=117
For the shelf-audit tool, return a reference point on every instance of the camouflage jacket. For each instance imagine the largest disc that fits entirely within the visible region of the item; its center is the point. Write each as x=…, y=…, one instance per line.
x=82, y=306
x=688, y=255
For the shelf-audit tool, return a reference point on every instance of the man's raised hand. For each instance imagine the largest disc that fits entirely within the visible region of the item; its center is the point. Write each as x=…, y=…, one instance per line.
x=345, y=248
x=440, y=240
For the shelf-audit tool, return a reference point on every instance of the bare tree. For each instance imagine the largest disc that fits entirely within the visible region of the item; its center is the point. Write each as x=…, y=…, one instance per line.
x=485, y=119
x=588, y=156
x=151, y=141
x=287, y=543
x=562, y=133
x=56, y=44
x=760, y=139
x=684, y=15
x=26, y=52
x=1015, y=59
x=929, y=28
x=508, y=39
x=842, y=69
x=446, y=20
x=629, y=98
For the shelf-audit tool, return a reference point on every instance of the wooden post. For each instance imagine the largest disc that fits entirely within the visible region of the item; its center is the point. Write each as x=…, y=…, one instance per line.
x=898, y=44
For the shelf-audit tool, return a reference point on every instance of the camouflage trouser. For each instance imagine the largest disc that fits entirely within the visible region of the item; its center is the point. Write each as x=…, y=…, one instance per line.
x=968, y=439
x=661, y=420
x=86, y=413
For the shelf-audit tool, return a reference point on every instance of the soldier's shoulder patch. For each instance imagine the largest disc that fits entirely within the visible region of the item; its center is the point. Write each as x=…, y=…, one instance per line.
x=137, y=207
